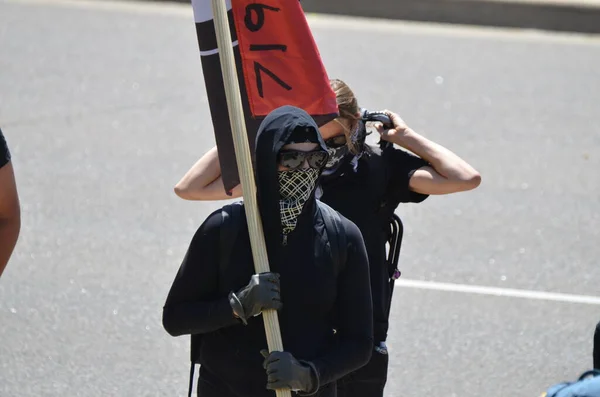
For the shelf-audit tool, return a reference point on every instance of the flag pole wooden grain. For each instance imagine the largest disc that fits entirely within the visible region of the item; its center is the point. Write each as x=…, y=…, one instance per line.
x=244, y=164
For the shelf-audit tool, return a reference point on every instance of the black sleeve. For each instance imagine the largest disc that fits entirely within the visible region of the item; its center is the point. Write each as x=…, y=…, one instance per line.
x=4, y=152
x=401, y=166
x=193, y=305
x=354, y=314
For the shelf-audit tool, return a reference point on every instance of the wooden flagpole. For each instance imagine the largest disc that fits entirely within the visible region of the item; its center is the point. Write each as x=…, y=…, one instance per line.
x=244, y=164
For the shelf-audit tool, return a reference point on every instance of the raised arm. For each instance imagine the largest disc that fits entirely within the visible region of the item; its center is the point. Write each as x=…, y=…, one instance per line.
x=203, y=181
x=447, y=172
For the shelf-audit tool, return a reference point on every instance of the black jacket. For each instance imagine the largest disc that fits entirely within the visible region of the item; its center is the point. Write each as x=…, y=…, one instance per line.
x=314, y=299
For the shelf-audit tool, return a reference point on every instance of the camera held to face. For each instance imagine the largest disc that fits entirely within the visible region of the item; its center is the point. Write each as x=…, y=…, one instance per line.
x=367, y=115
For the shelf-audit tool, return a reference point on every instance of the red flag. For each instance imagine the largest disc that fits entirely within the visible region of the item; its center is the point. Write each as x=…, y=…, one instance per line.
x=278, y=64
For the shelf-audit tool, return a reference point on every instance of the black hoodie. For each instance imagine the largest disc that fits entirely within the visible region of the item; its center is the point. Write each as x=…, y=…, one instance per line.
x=313, y=298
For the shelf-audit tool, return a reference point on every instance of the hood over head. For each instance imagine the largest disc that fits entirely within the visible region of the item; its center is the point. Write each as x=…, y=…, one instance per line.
x=286, y=124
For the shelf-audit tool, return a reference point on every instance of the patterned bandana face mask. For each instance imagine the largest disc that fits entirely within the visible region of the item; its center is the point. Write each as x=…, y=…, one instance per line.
x=295, y=188
x=336, y=155
x=340, y=155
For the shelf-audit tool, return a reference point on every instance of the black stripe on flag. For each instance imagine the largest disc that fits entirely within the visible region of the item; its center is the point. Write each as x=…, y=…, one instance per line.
x=207, y=38
x=217, y=100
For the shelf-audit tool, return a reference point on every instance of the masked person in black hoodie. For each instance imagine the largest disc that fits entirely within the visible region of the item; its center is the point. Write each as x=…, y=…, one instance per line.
x=325, y=315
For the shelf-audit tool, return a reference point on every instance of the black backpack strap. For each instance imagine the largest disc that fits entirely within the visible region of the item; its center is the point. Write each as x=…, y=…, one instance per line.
x=230, y=214
x=336, y=234
x=395, y=242
x=192, y=369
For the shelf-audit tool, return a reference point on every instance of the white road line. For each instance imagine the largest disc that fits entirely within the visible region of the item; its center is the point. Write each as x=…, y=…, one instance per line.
x=337, y=22
x=493, y=291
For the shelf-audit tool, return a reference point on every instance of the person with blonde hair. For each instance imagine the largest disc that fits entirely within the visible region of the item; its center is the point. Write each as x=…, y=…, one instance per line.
x=365, y=184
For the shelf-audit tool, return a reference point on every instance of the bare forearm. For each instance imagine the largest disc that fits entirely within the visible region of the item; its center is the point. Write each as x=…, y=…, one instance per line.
x=447, y=174
x=444, y=161
x=199, y=180
x=216, y=191
x=9, y=234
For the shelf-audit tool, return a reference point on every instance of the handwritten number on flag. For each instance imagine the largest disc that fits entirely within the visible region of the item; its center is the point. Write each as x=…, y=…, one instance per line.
x=260, y=68
x=258, y=10
x=268, y=47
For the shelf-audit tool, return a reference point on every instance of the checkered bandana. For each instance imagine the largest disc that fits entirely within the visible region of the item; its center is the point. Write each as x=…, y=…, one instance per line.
x=295, y=188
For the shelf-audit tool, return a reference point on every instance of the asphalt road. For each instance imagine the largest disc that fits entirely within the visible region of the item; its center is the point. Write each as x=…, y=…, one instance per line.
x=104, y=108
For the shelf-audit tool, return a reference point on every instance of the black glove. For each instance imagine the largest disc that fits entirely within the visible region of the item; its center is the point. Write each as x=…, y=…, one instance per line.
x=261, y=293
x=285, y=372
